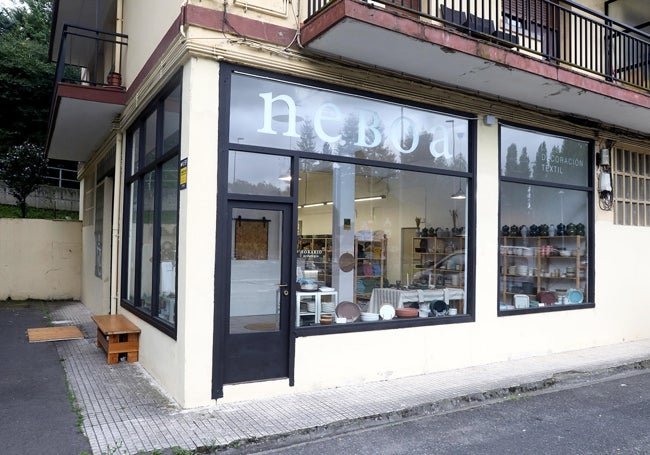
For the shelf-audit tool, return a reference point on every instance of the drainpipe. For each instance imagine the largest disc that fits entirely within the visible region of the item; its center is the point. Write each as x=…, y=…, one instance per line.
x=119, y=27
x=115, y=230
x=117, y=186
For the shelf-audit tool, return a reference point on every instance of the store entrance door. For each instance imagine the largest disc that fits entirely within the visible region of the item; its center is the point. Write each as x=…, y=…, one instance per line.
x=258, y=299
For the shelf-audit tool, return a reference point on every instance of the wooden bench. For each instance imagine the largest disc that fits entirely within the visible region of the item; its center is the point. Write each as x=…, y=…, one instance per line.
x=117, y=335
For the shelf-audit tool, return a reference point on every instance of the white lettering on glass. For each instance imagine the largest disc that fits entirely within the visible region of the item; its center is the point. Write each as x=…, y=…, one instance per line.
x=331, y=112
x=268, y=114
x=399, y=128
x=368, y=126
x=439, y=147
x=329, y=120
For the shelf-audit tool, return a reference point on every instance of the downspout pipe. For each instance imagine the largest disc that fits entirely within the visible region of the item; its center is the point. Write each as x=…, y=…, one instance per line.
x=117, y=188
x=116, y=222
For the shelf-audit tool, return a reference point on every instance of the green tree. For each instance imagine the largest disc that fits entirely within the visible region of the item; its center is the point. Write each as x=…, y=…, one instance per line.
x=23, y=168
x=26, y=74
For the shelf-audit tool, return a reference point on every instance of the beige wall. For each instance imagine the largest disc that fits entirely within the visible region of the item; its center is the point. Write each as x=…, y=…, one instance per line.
x=40, y=259
x=146, y=22
x=95, y=291
x=183, y=366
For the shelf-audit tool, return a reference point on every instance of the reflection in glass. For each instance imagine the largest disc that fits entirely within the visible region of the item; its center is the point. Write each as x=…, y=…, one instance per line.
x=172, y=120
x=150, y=139
x=255, y=270
x=135, y=151
x=146, y=266
x=256, y=173
x=279, y=114
x=169, y=221
x=133, y=221
x=543, y=157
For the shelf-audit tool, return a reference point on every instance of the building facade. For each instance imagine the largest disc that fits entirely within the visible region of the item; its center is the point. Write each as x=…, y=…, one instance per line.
x=288, y=196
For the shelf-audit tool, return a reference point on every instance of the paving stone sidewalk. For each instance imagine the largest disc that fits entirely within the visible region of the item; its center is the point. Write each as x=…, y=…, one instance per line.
x=125, y=412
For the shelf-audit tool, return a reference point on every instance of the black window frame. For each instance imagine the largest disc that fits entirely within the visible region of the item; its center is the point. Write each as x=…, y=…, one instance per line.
x=225, y=145
x=132, y=176
x=588, y=188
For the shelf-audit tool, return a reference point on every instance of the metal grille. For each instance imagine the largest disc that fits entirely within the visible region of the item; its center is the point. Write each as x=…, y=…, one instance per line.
x=631, y=175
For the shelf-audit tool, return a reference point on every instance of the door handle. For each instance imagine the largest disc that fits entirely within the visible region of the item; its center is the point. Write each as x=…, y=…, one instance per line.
x=285, y=292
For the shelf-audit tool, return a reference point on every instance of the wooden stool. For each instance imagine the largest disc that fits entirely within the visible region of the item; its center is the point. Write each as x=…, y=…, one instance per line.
x=117, y=335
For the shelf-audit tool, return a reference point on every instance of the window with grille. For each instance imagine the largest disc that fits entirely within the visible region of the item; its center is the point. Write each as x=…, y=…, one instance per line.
x=631, y=175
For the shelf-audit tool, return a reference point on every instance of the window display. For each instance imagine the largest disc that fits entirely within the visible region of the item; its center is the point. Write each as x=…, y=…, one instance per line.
x=545, y=218
x=363, y=172
x=359, y=259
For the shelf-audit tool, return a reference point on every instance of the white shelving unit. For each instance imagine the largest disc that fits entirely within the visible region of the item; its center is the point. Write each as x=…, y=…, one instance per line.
x=304, y=299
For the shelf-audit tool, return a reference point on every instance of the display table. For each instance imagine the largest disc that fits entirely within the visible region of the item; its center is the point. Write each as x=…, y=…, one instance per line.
x=317, y=297
x=397, y=297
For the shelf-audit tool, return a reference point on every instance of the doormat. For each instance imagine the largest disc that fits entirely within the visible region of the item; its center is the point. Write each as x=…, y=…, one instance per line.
x=66, y=332
x=261, y=326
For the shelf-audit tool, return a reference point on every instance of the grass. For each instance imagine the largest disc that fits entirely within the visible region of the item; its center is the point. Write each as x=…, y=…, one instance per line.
x=12, y=211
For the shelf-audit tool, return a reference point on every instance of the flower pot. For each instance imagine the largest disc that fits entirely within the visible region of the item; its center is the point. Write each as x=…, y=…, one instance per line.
x=114, y=79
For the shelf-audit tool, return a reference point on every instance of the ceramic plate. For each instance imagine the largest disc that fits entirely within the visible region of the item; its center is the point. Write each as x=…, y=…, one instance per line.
x=387, y=312
x=574, y=296
x=348, y=310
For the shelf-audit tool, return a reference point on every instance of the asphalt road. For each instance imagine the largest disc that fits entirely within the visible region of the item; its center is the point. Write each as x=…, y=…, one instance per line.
x=36, y=415
x=583, y=416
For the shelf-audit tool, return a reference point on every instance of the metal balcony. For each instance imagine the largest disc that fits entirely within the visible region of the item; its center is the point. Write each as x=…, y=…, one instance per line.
x=89, y=91
x=563, y=57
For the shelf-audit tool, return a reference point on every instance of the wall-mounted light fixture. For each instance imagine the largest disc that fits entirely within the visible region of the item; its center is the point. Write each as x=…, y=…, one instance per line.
x=489, y=120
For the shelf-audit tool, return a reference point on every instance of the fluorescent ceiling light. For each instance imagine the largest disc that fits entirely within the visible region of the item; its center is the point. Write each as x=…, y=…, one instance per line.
x=360, y=199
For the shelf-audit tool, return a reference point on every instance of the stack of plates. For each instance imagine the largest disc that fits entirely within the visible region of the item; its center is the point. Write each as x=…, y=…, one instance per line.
x=369, y=317
x=327, y=307
x=311, y=306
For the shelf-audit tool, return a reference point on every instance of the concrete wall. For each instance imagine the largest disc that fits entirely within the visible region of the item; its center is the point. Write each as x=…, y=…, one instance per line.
x=40, y=259
x=45, y=197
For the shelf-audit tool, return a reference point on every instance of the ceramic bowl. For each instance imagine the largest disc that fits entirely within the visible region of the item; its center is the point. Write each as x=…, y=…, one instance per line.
x=407, y=312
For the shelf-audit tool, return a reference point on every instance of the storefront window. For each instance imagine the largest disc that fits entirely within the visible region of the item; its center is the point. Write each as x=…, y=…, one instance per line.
x=382, y=190
x=545, y=214
x=151, y=212
x=372, y=237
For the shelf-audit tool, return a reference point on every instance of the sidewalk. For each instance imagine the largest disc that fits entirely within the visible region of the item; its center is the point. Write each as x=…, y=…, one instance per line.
x=125, y=412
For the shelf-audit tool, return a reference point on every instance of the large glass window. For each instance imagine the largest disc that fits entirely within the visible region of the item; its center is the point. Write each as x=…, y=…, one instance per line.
x=151, y=212
x=545, y=214
x=382, y=190
x=383, y=240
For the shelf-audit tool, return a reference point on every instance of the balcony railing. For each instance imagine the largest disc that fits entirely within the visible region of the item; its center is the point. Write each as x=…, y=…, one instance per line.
x=91, y=57
x=566, y=33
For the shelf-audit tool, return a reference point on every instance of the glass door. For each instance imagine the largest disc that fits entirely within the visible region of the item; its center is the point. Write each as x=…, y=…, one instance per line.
x=258, y=302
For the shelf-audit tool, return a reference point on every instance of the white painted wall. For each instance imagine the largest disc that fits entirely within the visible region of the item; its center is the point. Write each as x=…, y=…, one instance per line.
x=184, y=366
x=145, y=22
